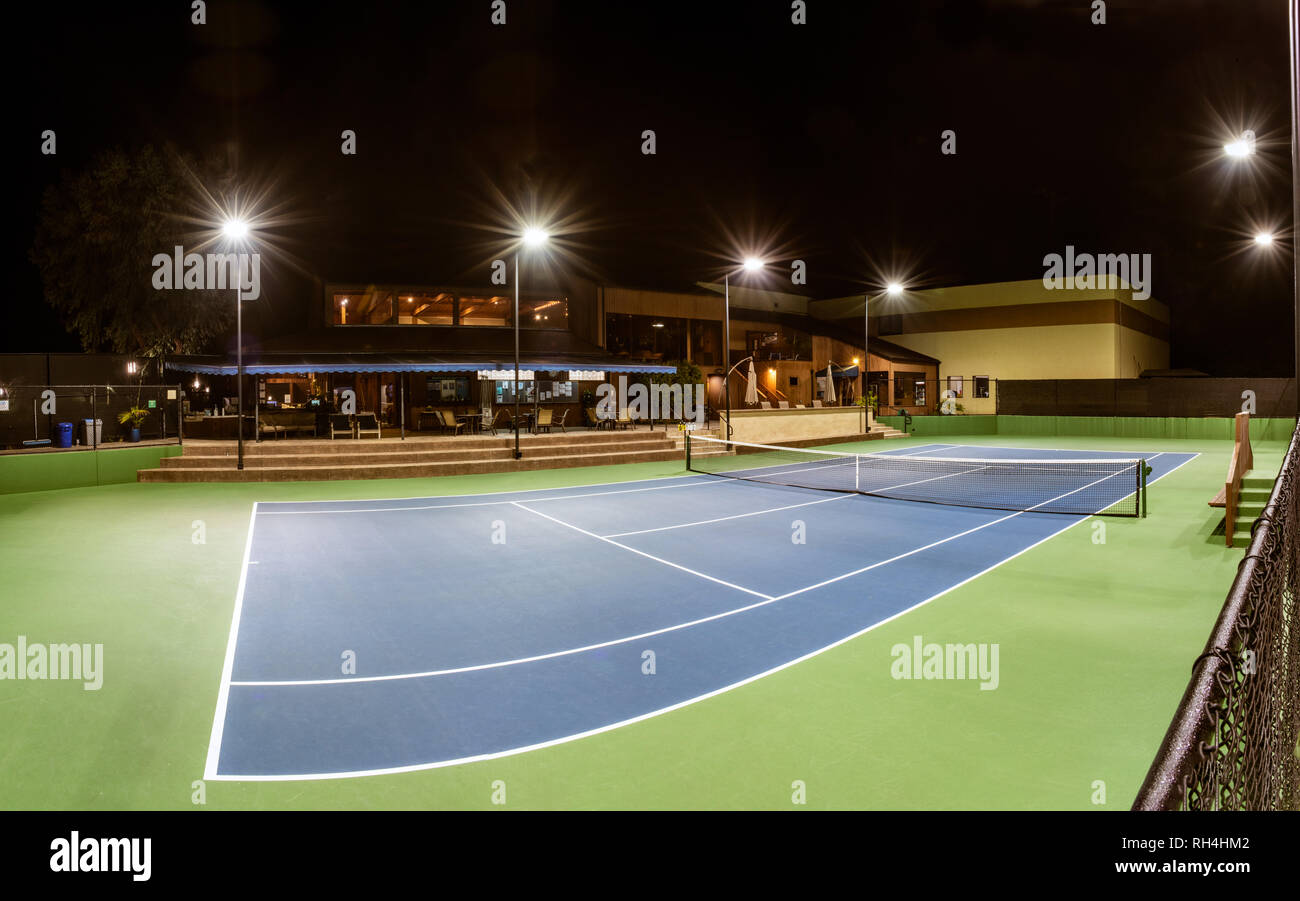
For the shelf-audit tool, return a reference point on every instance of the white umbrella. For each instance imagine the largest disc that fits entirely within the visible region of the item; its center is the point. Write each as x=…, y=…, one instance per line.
x=751, y=386
x=830, y=385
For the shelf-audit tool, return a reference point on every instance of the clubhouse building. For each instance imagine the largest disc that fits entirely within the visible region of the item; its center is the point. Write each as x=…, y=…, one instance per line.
x=408, y=350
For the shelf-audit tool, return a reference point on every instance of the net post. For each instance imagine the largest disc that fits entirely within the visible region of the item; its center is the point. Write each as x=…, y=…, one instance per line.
x=857, y=481
x=688, y=451
x=1142, y=486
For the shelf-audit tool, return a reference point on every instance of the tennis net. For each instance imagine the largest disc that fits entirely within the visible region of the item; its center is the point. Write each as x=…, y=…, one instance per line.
x=1079, y=487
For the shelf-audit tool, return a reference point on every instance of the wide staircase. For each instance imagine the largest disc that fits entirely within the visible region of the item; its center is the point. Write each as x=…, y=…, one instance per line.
x=880, y=430
x=288, y=460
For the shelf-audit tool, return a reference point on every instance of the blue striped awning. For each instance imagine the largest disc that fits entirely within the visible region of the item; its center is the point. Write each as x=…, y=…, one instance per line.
x=375, y=363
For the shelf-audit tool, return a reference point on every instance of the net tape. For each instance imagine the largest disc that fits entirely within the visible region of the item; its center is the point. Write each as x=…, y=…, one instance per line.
x=1079, y=487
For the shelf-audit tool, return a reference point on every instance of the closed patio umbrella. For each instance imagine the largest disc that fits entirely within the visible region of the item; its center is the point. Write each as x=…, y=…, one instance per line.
x=830, y=385
x=751, y=386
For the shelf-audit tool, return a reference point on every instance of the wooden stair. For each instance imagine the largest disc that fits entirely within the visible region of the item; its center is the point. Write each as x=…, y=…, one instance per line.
x=1253, y=495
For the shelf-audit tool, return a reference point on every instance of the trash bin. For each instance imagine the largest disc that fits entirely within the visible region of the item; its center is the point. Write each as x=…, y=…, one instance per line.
x=97, y=426
x=63, y=434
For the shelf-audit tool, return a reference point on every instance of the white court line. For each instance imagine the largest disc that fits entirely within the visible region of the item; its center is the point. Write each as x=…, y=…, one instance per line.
x=686, y=569
x=223, y=693
x=696, y=483
x=932, y=449
x=1068, y=450
x=523, y=749
x=705, y=522
x=425, y=497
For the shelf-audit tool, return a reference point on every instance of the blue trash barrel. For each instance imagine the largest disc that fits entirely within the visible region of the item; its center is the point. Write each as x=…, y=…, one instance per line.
x=63, y=434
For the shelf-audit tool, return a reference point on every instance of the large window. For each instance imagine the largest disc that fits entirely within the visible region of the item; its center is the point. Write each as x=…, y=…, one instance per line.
x=646, y=337
x=407, y=306
x=426, y=309
x=491, y=310
x=505, y=392
x=544, y=312
x=779, y=344
x=909, y=389
x=981, y=386
x=454, y=390
x=363, y=308
x=706, y=342
x=546, y=391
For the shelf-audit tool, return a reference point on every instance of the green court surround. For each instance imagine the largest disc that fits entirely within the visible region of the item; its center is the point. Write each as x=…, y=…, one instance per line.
x=1096, y=639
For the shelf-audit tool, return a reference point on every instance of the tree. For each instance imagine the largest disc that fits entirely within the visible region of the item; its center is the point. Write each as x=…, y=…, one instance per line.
x=687, y=374
x=95, y=241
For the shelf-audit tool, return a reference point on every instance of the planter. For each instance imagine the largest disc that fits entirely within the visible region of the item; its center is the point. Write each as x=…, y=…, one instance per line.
x=135, y=435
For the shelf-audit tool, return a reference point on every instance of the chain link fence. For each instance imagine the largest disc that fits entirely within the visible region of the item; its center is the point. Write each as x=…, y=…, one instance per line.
x=42, y=416
x=1233, y=744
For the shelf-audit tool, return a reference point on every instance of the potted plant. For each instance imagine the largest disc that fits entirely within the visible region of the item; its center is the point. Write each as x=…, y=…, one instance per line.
x=132, y=418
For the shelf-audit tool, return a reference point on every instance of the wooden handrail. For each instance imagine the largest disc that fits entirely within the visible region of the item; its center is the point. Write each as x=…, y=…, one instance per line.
x=1243, y=460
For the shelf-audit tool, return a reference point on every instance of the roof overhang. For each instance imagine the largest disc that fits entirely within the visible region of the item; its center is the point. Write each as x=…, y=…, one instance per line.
x=306, y=364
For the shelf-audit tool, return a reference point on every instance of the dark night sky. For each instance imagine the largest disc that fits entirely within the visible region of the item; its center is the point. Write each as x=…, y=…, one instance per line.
x=823, y=139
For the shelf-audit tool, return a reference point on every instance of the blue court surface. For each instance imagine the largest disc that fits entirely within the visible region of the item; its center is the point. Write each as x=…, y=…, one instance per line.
x=488, y=625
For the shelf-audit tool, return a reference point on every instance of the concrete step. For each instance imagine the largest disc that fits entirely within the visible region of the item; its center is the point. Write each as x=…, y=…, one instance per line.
x=271, y=473
x=292, y=446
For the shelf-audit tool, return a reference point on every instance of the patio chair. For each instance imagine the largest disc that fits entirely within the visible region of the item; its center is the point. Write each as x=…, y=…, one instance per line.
x=543, y=420
x=593, y=421
x=488, y=422
x=817, y=403
x=368, y=423
x=764, y=405
x=341, y=424
x=783, y=404
x=564, y=414
x=449, y=422
x=624, y=421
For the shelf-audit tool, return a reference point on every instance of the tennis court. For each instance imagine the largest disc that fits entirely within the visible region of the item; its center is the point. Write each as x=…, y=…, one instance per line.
x=488, y=625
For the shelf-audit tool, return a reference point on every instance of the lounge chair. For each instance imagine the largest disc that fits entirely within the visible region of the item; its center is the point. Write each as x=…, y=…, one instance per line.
x=449, y=422
x=368, y=423
x=341, y=424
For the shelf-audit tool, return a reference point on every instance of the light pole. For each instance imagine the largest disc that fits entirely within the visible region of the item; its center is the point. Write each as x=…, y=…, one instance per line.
x=1243, y=147
x=1293, y=33
x=893, y=289
x=751, y=264
x=237, y=230
x=532, y=237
